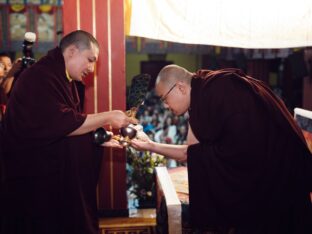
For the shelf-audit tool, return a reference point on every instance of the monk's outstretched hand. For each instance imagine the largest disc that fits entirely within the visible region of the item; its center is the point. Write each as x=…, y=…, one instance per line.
x=141, y=142
x=119, y=119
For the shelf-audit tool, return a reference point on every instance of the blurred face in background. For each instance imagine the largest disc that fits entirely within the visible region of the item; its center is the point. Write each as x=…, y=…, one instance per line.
x=7, y=62
x=1, y=70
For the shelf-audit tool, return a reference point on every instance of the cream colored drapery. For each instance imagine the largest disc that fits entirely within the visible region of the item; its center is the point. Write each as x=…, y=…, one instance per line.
x=231, y=23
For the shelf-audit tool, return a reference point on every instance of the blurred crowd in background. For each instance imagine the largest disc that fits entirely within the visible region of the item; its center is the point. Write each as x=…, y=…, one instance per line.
x=161, y=125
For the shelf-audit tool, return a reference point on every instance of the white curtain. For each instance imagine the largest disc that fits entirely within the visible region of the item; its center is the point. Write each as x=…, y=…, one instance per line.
x=230, y=23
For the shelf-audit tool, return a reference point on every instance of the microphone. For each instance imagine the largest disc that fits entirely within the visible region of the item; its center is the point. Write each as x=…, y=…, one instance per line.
x=28, y=56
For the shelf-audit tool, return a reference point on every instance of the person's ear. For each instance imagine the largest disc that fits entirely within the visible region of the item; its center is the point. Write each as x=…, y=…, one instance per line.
x=72, y=49
x=182, y=87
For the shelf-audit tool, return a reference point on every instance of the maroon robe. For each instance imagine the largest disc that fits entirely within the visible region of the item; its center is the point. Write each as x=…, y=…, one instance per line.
x=50, y=178
x=251, y=169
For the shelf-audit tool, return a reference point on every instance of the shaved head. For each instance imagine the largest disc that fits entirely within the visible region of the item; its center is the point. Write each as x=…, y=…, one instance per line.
x=173, y=73
x=82, y=39
x=173, y=86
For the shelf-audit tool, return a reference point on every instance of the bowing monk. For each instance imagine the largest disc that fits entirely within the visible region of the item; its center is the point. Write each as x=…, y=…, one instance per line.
x=51, y=164
x=248, y=164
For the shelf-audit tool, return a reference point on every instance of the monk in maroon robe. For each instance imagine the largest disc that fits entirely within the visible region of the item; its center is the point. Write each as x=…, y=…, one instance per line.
x=249, y=167
x=51, y=164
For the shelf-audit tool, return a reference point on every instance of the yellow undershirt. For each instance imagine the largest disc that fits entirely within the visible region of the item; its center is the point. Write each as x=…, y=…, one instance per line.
x=68, y=77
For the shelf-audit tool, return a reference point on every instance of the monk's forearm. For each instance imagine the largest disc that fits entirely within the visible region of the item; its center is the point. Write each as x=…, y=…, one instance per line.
x=177, y=152
x=92, y=122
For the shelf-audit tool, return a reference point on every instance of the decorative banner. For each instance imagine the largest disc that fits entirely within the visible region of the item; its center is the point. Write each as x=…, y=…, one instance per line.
x=17, y=24
x=12, y=2
x=46, y=9
x=32, y=2
x=18, y=8
x=46, y=25
x=35, y=2
x=49, y=2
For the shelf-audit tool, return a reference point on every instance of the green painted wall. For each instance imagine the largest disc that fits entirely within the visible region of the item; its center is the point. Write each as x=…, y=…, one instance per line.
x=133, y=65
x=189, y=61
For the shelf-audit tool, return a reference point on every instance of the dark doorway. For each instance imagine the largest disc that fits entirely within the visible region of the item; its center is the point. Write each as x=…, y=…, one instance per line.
x=153, y=68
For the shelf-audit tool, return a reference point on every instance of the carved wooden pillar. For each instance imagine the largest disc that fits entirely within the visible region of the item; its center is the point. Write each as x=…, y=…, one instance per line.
x=106, y=90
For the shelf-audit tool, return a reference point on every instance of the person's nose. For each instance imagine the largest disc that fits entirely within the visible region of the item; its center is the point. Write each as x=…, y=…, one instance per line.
x=91, y=68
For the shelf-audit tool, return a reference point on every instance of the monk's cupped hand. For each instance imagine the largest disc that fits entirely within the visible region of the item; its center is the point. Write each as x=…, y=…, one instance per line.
x=140, y=145
x=113, y=143
x=141, y=142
